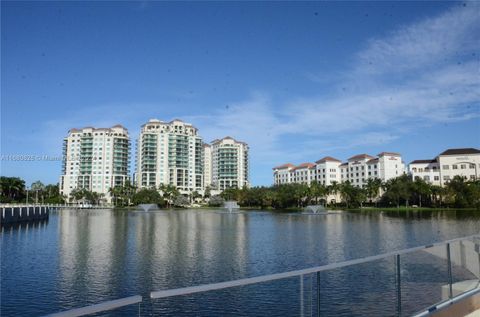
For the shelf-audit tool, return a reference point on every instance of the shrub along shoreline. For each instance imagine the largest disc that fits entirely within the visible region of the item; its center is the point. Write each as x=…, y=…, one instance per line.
x=396, y=194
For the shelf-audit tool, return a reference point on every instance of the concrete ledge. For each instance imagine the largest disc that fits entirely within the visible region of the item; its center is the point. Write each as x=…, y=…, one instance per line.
x=461, y=308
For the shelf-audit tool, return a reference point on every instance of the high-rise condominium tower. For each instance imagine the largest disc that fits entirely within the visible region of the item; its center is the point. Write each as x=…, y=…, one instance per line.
x=170, y=153
x=95, y=159
x=229, y=164
x=207, y=165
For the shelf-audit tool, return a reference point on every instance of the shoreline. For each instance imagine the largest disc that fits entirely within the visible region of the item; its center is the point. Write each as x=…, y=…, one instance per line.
x=295, y=209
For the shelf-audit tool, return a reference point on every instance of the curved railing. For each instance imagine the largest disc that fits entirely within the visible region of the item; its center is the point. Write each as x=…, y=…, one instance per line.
x=458, y=253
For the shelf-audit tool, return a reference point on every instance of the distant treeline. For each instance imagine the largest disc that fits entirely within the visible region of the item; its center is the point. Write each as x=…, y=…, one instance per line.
x=13, y=189
x=400, y=191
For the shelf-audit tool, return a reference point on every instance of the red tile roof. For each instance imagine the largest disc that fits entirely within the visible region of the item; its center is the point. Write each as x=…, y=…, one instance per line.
x=284, y=166
x=372, y=161
x=327, y=158
x=361, y=157
x=304, y=165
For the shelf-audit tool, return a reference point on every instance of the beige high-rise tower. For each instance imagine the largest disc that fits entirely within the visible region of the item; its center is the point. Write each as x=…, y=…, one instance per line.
x=95, y=159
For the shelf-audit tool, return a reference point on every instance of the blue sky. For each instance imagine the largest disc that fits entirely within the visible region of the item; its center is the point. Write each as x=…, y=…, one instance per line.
x=297, y=81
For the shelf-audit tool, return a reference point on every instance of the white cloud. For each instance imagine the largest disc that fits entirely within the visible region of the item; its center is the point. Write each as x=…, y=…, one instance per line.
x=423, y=44
x=422, y=74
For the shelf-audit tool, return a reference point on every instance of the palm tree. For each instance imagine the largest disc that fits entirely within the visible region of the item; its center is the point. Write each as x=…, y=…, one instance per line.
x=77, y=194
x=12, y=188
x=334, y=188
x=422, y=189
x=37, y=187
x=372, y=188
x=169, y=193
x=437, y=193
x=195, y=194
x=346, y=190
x=398, y=188
x=317, y=191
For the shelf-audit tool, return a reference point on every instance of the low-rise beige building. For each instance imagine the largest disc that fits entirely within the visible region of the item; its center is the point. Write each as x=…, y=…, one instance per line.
x=464, y=162
x=357, y=170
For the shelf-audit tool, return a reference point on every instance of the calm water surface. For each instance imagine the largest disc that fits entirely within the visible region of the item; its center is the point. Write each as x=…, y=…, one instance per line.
x=78, y=258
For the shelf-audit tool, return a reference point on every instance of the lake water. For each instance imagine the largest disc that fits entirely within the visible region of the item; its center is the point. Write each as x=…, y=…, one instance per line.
x=80, y=257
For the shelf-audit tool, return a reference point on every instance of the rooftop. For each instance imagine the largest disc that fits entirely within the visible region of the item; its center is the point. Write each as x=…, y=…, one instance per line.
x=304, y=165
x=327, y=158
x=469, y=150
x=361, y=157
x=423, y=161
x=388, y=153
x=72, y=130
x=287, y=165
x=228, y=138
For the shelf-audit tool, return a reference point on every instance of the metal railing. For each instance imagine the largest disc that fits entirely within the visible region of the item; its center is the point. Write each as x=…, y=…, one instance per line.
x=466, y=253
x=105, y=306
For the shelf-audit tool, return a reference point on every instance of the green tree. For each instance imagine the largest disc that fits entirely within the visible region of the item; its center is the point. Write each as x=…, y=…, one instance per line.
x=334, y=189
x=216, y=201
x=207, y=192
x=169, y=193
x=372, y=188
x=318, y=191
x=195, y=195
x=122, y=195
x=437, y=194
x=77, y=194
x=398, y=190
x=421, y=190
x=181, y=201
x=463, y=193
x=353, y=196
x=148, y=196
x=12, y=189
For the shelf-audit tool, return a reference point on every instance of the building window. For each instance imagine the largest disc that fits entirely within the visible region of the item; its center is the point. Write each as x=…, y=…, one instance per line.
x=436, y=178
x=454, y=167
x=472, y=166
x=463, y=166
x=446, y=178
x=445, y=167
x=426, y=178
